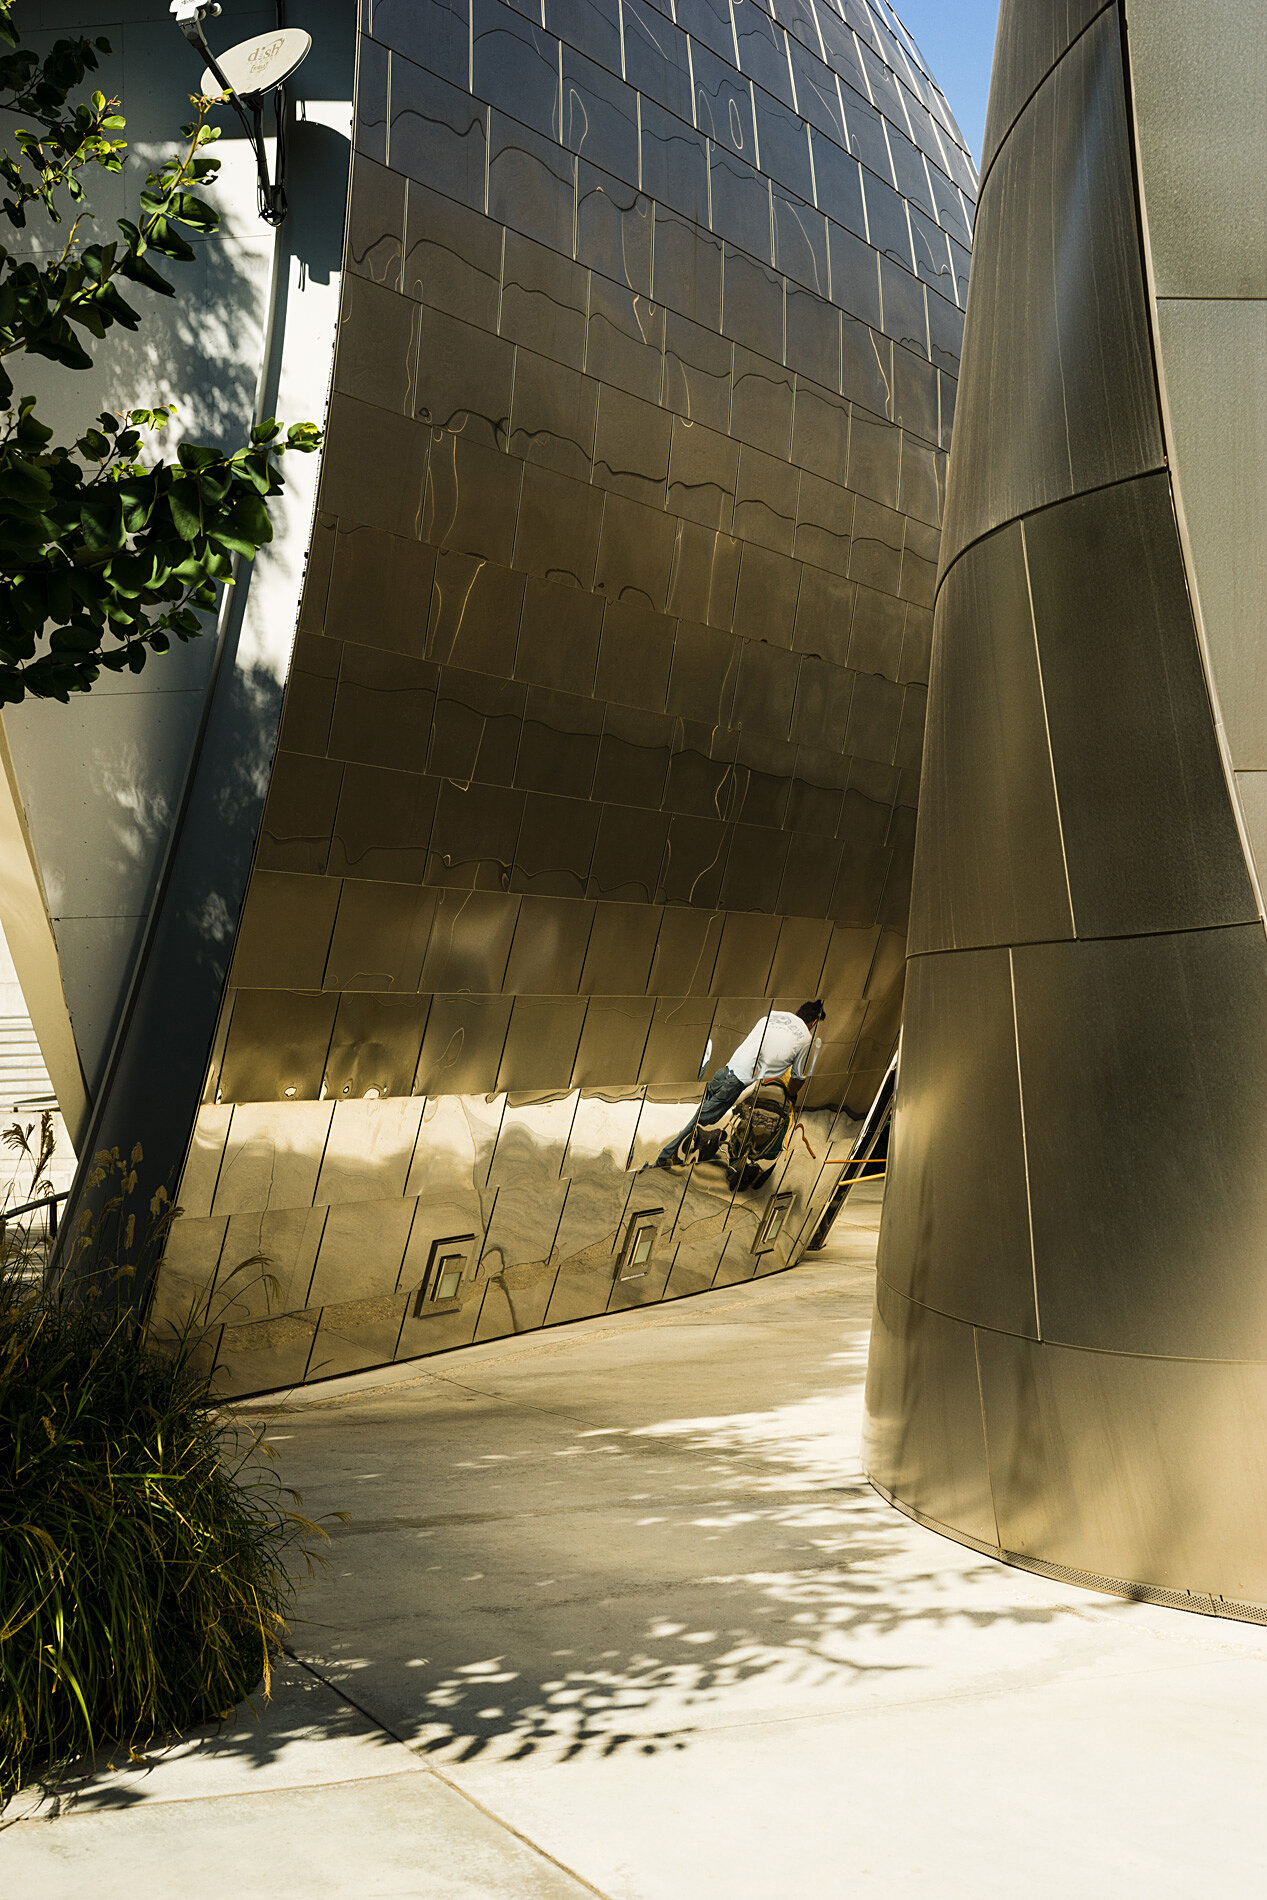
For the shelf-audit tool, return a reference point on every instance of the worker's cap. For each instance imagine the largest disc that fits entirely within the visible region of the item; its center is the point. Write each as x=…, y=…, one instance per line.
x=813, y=1012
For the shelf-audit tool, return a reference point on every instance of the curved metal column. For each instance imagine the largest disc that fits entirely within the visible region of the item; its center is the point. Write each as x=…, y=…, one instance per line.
x=605, y=720
x=1069, y=1364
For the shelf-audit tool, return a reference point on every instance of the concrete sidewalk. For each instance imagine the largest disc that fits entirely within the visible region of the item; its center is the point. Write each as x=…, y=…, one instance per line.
x=616, y=1613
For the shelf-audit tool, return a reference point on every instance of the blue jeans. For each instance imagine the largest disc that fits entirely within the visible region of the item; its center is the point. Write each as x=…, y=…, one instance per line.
x=723, y=1092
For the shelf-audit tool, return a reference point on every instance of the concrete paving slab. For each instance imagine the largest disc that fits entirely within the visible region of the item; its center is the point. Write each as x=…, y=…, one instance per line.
x=625, y=1587
x=404, y=1834
x=303, y=1735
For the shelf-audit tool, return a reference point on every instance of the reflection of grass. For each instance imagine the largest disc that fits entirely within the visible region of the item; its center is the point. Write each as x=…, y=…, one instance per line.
x=142, y=1550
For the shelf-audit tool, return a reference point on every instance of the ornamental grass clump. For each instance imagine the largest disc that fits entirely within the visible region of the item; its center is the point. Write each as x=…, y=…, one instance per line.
x=143, y=1543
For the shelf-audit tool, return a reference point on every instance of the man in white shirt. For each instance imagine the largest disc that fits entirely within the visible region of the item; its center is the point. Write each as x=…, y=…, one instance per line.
x=776, y=1042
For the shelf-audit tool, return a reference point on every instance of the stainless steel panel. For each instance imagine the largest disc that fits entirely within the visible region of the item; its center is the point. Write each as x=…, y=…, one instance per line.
x=558, y=750
x=185, y=1294
x=1197, y=82
x=473, y=618
x=1213, y=351
x=613, y=228
x=470, y=941
x=531, y=1142
x=697, y=367
x=618, y=956
x=382, y=375
x=263, y=1356
x=1058, y=307
x=531, y=183
x=1028, y=42
x=1103, y=1462
x=695, y=1263
x=613, y=1040
x=924, y=1439
x=987, y=768
x=549, y=946
x=437, y=133
x=688, y=260
x=362, y=1246
x=382, y=708
x=472, y=841
x=266, y=1264
x=1140, y=1063
x=452, y=256
x=634, y=656
x=956, y=1232
x=740, y=198
x=516, y=1259
x=379, y=595
x=272, y=1156
x=703, y=466
x=820, y=436
x=462, y=1049
x=544, y=300
x=375, y=466
x=745, y=954
x=277, y=1045
x=625, y=340
x=801, y=254
x=356, y=1333
x=454, y=1153
x=380, y=937
x=813, y=333
x=675, y=1047
x=635, y=552
x=572, y=746
x=439, y=1330
x=601, y=1138
x=375, y=1046
x=557, y=635
x=285, y=931
x=600, y=116
x=1129, y=714
x=541, y=1043
x=203, y=1161
x=369, y=1149
x=472, y=497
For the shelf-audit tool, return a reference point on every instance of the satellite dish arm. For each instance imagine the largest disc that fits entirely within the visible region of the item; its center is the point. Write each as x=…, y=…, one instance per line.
x=189, y=16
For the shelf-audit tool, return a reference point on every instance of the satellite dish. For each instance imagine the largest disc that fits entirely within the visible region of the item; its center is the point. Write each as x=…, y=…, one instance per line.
x=256, y=66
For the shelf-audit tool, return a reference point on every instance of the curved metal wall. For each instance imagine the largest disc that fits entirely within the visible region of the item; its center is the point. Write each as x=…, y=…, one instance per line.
x=605, y=718
x=1069, y=1362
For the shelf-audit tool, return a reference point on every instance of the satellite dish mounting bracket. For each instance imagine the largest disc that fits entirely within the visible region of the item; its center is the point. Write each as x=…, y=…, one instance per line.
x=248, y=105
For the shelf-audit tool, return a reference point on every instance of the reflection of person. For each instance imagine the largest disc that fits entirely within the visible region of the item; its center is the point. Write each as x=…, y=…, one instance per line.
x=776, y=1042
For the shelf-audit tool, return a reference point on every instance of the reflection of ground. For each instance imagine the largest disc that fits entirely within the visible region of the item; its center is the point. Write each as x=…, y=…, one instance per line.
x=614, y=1611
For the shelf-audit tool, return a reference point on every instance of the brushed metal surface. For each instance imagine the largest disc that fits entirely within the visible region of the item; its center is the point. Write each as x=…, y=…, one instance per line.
x=595, y=739
x=1029, y=40
x=987, y=767
x=924, y=1438
x=1141, y=1061
x=1104, y=1462
x=1129, y=716
x=1059, y=310
x=956, y=1229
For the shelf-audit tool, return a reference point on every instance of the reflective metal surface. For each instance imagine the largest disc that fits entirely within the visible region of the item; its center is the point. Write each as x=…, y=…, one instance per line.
x=1070, y=1353
x=604, y=728
x=987, y=767
x=956, y=1230
x=1059, y=394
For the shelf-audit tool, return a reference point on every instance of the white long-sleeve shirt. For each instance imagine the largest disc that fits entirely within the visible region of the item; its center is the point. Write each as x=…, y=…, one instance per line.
x=774, y=1043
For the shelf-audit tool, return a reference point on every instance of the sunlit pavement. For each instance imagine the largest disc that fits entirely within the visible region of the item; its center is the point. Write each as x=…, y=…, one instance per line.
x=614, y=1611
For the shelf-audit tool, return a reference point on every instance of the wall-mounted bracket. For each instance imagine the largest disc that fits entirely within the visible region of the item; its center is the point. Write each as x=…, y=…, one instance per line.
x=249, y=76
